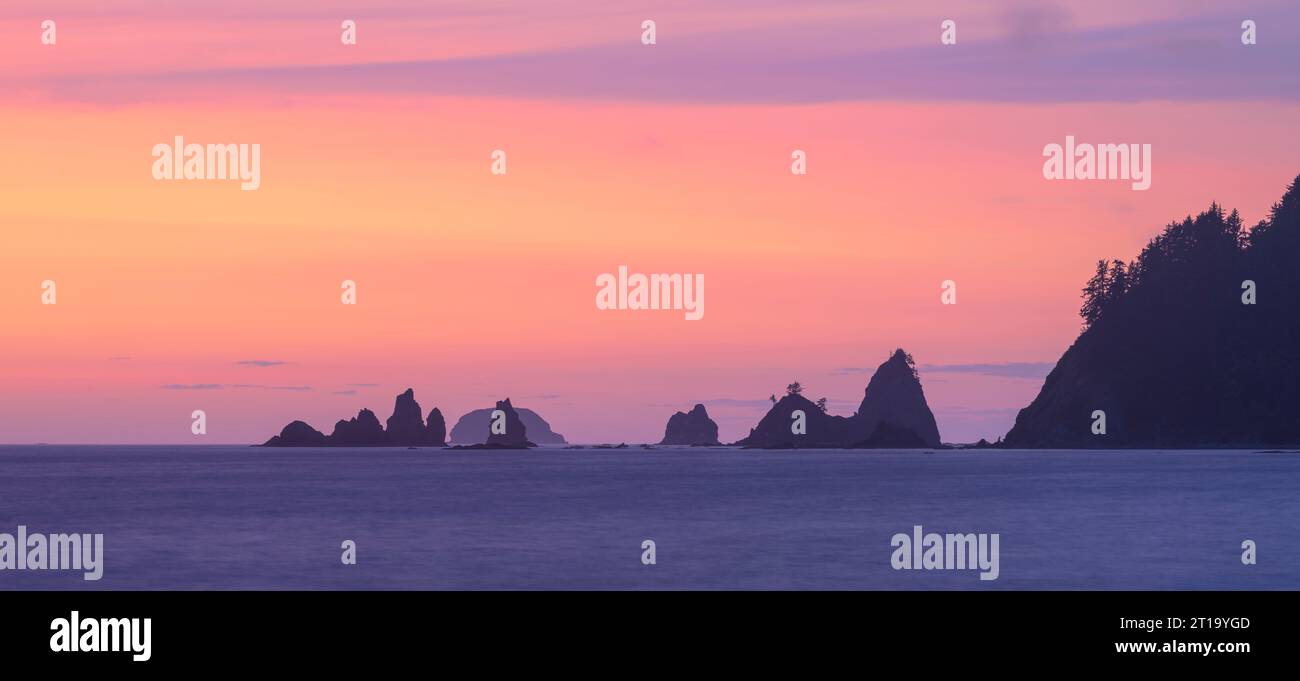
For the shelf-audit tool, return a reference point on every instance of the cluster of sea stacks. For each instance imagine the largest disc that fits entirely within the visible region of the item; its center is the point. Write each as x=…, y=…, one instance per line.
x=406, y=427
x=1194, y=343
x=893, y=414
x=521, y=428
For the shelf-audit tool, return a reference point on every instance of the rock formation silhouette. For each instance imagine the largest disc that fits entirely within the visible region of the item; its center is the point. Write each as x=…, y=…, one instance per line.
x=358, y=431
x=298, y=434
x=472, y=428
x=893, y=414
x=508, y=431
x=894, y=399
x=405, y=428
x=435, y=429
x=691, y=428
x=406, y=425
x=1196, y=343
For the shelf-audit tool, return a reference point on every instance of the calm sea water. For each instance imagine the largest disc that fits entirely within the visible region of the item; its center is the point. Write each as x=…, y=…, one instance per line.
x=241, y=517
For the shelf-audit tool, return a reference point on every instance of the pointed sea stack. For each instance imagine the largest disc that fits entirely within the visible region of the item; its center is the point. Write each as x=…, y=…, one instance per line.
x=894, y=399
x=515, y=435
x=405, y=426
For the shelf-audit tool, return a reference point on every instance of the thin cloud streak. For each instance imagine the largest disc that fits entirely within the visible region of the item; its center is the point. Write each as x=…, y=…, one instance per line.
x=1184, y=60
x=1025, y=370
x=238, y=386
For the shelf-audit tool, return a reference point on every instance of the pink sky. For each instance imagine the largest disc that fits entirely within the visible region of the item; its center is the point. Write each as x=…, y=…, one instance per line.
x=924, y=164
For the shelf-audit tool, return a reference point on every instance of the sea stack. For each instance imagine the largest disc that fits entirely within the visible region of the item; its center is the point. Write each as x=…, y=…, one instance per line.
x=691, y=429
x=796, y=421
x=298, y=434
x=472, y=428
x=894, y=399
x=406, y=425
x=435, y=429
x=893, y=414
x=362, y=430
x=506, y=430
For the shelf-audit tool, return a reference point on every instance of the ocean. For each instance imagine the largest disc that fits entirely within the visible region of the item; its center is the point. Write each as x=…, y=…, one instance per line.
x=229, y=517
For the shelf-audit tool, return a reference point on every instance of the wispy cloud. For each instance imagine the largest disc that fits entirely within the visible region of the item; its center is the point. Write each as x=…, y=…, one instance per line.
x=1025, y=370
x=1000, y=369
x=244, y=386
x=1035, y=60
x=959, y=411
x=763, y=403
x=733, y=402
x=260, y=362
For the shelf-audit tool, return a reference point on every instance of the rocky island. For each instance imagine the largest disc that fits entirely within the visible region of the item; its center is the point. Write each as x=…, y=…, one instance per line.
x=893, y=414
x=472, y=428
x=406, y=428
x=691, y=429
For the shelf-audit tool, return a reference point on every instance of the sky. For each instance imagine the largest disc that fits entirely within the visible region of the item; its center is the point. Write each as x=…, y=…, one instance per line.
x=924, y=165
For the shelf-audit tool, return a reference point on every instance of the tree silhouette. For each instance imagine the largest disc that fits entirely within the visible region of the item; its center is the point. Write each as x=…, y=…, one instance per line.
x=1117, y=285
x=793, y=388
x=821, y=404
x=1094, y=295
x=907, y=359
